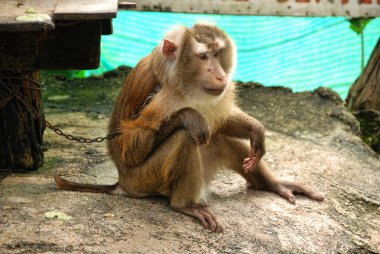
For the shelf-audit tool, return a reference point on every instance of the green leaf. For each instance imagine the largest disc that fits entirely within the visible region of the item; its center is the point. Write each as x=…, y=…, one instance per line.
x=358, y=24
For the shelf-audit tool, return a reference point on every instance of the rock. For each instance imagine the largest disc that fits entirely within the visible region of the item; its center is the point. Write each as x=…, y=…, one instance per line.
x=370, y=127
x=302, y=133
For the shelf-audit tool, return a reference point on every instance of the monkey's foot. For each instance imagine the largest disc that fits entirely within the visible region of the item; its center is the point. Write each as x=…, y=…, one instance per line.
x=288, y=189
x=204, y=214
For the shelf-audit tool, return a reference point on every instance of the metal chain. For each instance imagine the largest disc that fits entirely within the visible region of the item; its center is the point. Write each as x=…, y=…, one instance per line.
x=109, y=136
x=36, y=115
x=81, y=139
x=147, y=100
x=33, y=111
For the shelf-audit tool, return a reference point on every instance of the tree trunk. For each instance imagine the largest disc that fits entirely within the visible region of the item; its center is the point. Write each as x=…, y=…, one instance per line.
x=21, y=120
x=364, y=100
x=365, y=92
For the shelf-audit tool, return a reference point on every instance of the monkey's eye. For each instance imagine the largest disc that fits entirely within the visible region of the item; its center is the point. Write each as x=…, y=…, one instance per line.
x=203, y=57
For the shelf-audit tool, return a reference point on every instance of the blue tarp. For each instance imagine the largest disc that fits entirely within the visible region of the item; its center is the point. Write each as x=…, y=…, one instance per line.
x=297, y=52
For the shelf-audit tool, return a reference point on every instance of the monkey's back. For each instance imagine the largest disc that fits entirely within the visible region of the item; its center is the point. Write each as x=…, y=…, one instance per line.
x=139, y=83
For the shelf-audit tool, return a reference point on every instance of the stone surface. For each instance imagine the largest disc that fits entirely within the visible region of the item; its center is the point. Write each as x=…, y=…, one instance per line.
x=310, y=139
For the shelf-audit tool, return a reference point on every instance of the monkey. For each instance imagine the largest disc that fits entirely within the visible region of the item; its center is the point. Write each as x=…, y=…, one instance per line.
x=173, y=145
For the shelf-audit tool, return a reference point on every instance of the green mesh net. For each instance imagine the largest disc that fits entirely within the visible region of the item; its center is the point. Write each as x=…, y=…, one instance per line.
x=301, y=53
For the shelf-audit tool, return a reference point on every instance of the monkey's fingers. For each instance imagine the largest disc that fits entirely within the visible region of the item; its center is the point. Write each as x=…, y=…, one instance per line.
x=248, y=168
x=249, y=164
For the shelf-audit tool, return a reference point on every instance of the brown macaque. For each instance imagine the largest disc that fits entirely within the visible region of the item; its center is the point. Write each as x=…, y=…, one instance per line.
x=191, y=128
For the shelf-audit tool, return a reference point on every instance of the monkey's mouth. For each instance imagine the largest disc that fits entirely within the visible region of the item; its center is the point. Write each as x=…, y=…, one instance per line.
x=215, y=92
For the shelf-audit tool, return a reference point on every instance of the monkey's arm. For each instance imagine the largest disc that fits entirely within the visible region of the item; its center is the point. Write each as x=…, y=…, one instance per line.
x=190, y=120
x=241, y=125
x=140, y=137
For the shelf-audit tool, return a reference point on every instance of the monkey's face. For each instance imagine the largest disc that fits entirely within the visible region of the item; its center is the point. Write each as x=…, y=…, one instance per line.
x=203, y=58
x=212, y=77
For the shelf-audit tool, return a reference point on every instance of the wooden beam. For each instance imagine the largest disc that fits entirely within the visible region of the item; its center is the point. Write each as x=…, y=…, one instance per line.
x=107, y=28
x=72, y=45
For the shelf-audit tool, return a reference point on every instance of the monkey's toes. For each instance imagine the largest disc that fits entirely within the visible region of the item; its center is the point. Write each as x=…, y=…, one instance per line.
x=288, y=189
x=209, y=220
x=204, y=214
x=286, y=193
x=315, y=196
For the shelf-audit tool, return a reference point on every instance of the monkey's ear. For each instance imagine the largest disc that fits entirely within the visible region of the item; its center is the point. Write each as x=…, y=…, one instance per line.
x=169, y=48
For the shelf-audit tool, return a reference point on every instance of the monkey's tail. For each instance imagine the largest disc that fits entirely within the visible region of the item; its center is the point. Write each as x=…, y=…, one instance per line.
x=96, y=188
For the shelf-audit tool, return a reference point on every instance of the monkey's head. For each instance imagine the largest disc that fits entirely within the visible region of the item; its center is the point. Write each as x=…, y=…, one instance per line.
x=198, y=60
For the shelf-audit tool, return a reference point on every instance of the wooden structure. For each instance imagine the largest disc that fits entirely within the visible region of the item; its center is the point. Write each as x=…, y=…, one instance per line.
x=49, y=34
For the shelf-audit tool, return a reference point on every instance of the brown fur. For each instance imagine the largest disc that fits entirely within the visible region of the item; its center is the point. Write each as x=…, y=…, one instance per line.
x=184, y=135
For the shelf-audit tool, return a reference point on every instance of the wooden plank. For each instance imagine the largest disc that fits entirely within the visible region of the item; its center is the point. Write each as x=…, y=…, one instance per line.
x=72, y=45
x=124, y=5
x=85, y=9
x=26, y=15
x=8, y=25
x=347, y=8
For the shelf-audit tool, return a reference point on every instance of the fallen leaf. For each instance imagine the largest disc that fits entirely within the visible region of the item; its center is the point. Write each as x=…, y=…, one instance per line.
x=108, y=215
x=57, y=215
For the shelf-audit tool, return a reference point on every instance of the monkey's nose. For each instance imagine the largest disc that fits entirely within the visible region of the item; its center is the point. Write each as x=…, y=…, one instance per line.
x=221, y=78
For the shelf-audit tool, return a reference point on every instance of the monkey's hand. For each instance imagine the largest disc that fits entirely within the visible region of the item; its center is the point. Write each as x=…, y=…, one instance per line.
x=257, y=151
x=195, y=124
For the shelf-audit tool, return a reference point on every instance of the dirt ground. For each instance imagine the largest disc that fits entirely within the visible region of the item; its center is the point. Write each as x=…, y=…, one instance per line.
x=310, y=139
